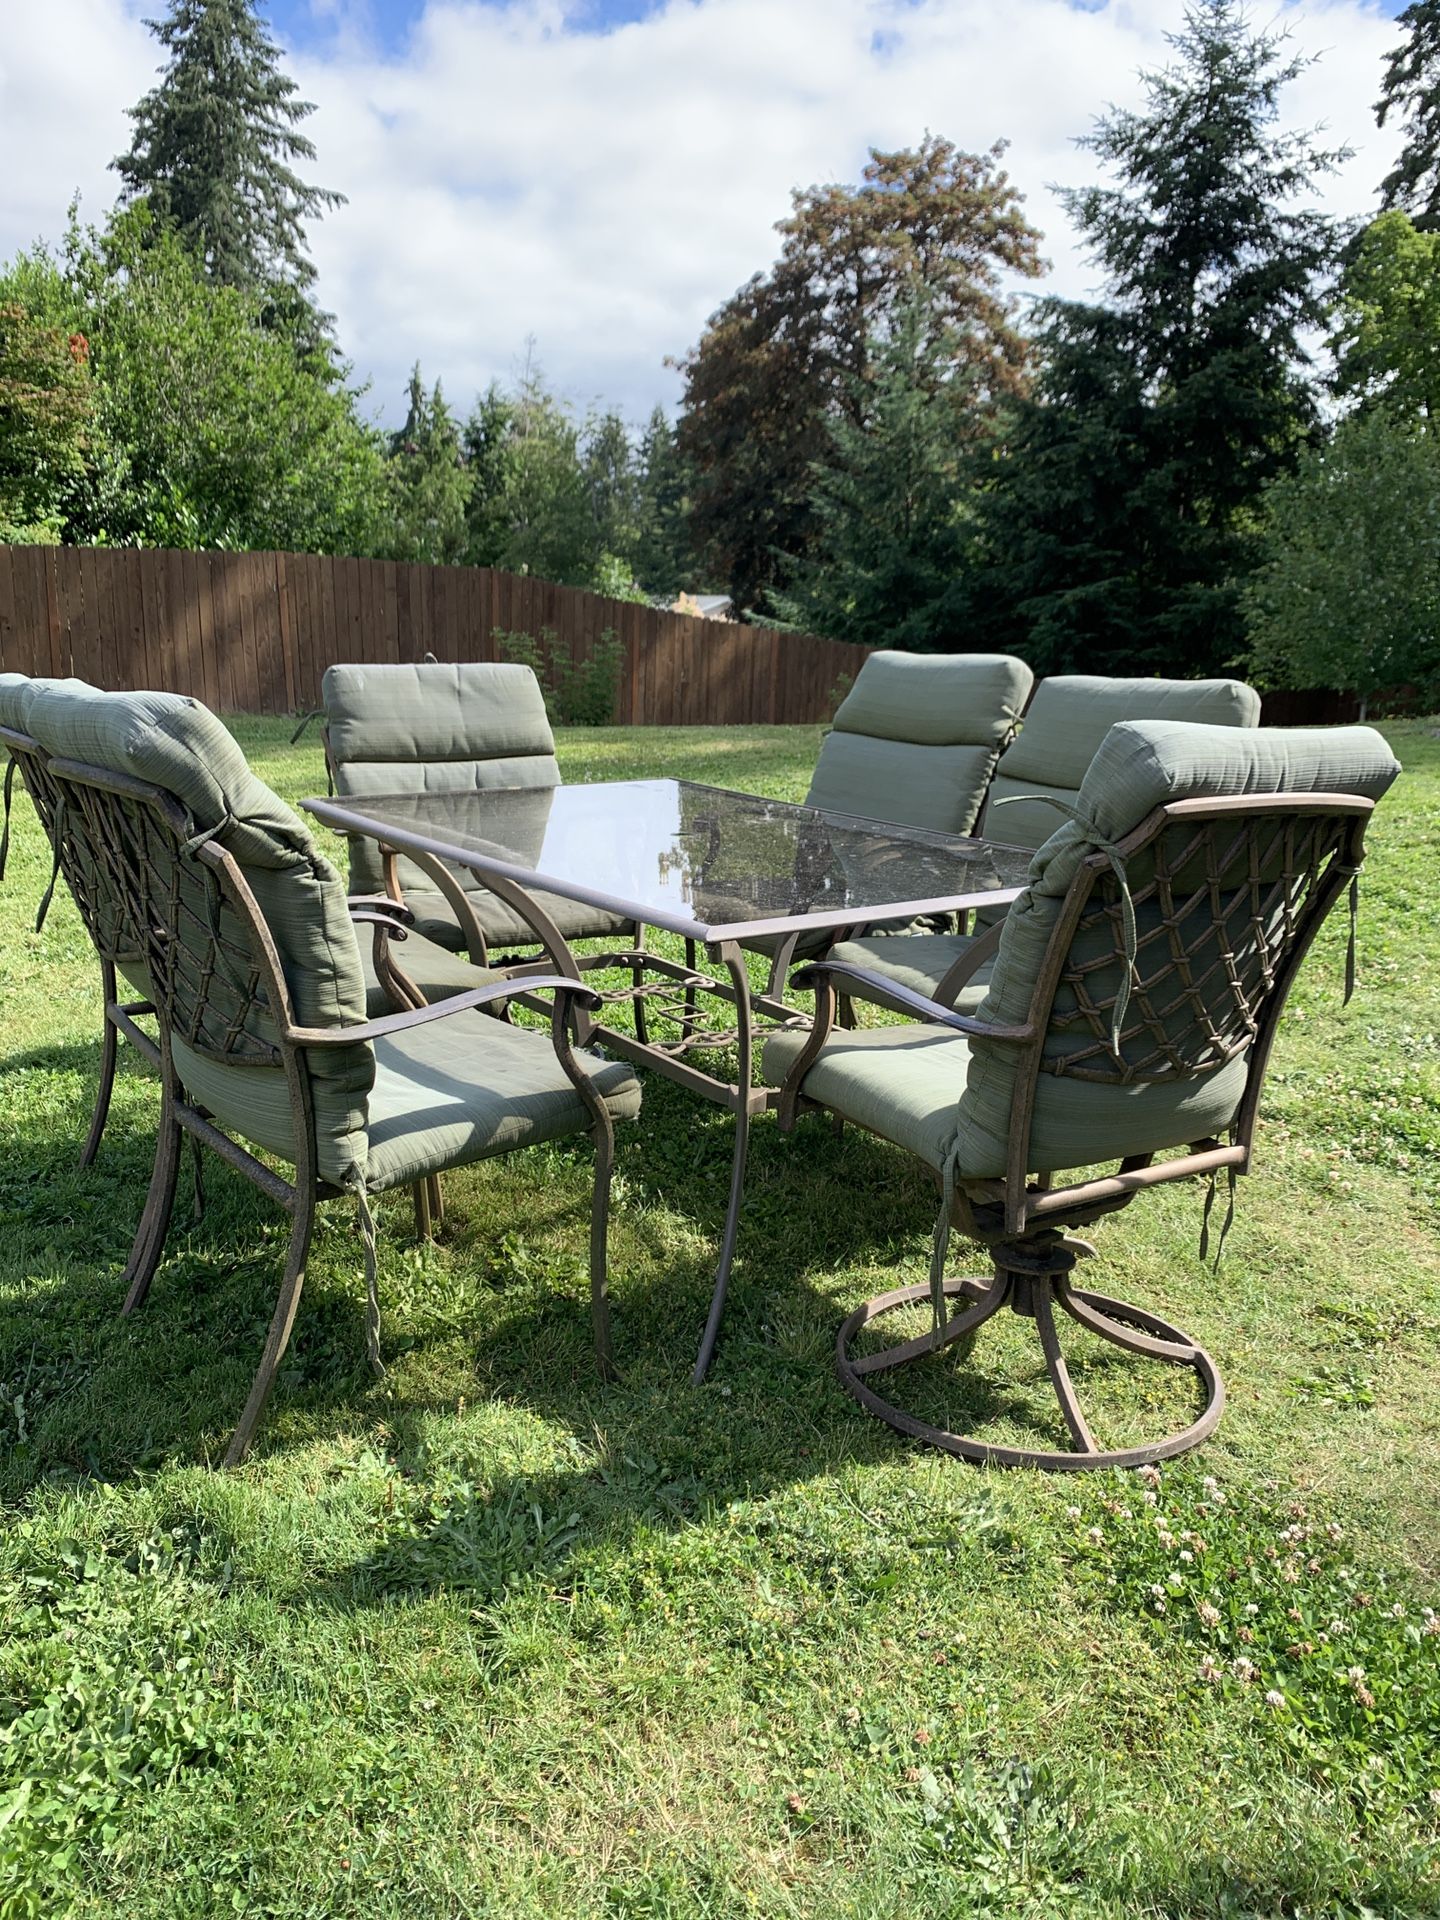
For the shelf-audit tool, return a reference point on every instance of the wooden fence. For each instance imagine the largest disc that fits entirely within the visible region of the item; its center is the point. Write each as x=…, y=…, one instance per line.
x=254, y=632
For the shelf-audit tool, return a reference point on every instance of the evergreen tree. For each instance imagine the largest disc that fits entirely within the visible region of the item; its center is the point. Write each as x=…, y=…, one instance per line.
x=1412, y=87
x=1122, y=512
x=551, y=528
x=487, y=449
x=429, y=483
x=661, y=548
x=889, y=500
x=610, y=479
x=784, y=354
x=214, y=147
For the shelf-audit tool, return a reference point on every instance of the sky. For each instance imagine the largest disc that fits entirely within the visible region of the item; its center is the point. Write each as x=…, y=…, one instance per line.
x=597, y=176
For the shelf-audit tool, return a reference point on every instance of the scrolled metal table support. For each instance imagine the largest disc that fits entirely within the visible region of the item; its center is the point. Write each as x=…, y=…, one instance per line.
x=734, y=961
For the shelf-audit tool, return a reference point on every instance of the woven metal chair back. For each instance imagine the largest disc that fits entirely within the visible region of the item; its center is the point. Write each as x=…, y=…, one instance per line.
x=1222, y=902
x=199, y=935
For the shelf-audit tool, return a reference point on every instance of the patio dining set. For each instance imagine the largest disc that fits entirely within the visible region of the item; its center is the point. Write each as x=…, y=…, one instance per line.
x=1039, y=939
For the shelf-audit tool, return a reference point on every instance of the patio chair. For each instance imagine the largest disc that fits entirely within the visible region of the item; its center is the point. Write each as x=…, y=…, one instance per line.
x=1134, y=1000
x=437, y=728
x=1065, y=724
x=914, y=743
x=427, y=973
x=251, y=953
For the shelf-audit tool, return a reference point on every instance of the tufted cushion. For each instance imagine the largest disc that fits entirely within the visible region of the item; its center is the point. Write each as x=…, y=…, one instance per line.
x=916, y=737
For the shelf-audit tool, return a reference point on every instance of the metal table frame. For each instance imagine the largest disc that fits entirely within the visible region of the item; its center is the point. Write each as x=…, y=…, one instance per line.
x=672, y=988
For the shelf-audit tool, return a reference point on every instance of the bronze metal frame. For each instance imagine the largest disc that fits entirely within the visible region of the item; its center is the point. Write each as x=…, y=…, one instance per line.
x=220, y=986
x=660, y=987
x=1211, y=980
x=78, y=865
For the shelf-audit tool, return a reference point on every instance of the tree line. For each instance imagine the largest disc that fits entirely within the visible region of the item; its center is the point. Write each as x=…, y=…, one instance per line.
x=1227, y=458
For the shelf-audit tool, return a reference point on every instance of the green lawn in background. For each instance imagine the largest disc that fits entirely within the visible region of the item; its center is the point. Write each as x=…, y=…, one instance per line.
x=487, y=1638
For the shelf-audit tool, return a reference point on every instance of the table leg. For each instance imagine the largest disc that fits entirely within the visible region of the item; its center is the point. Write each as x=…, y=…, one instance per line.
x=740, y=979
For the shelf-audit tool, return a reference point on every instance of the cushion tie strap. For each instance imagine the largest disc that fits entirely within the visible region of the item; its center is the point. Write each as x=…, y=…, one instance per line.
x=305, y=719
x=1349, y=944
x=372, y=1288
x=198, y=840
x=940, y=1246
x=1225, y=1225
x=10, y=767
x=58, y=832
x=1129, y=931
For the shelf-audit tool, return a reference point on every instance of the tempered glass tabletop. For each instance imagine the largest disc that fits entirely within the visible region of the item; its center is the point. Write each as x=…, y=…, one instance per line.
x=695, y=860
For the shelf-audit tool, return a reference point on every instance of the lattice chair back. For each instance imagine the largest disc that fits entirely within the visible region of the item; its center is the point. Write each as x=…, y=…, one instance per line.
x=236, y=944
x=1153, y=948
x=915, y=740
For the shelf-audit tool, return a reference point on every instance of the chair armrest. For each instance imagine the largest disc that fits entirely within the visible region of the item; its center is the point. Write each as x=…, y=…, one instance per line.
x=371, y=906
x=914, y=1003
x=560, y=984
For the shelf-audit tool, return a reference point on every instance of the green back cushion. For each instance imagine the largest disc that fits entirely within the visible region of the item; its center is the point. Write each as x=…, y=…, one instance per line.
x=177, y=744
x=433, y=728
x=1141, y=765
x=1068, y=720
x=916, y=737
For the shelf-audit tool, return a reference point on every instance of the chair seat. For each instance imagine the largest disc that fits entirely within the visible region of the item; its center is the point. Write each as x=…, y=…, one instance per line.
x=502, y=925
x=463, y=1089
x=903, y=1083
x=435, y=970
x=919, y=961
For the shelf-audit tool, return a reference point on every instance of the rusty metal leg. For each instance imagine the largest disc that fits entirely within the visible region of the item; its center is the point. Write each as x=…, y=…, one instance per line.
x=637, y=980
x=599, y=1272
x=740, y=979
x=420, y=1195
x=159, y=1206
x=281, y=1321
x=109, y=1049
x=687, y=1025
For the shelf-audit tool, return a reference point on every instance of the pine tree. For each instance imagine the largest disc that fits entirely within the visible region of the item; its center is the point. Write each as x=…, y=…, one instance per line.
x=214, y=144
x=429, y=481
x=662, y=545
x=1412, y=87
x=1122, y=514
x=889, y=500
x=488, y=456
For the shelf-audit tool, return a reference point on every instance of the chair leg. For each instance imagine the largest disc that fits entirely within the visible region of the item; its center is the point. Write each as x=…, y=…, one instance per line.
x=1032, y=1276
x=437, y=1202
x=159, y=1206
x=109, y=1049
x=420, y=1194
x=604, y=1136
x=281, y=1322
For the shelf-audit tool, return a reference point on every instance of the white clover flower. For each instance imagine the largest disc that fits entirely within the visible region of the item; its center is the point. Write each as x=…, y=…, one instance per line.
x=1072, y=1513
x=1186, y=1554
x=1095, y=1537
x=1334, y=1529
x=1208, y=1614
x=1176, y=1580
x=1160, y=1606
x=1243, y=1669
x=1356, y=1675
x=1156, y=1589
x=1274, y=1700
x=1151, y=1497
x=1251, y=1608
x=1150, y=1474
x=1335, y=1626
x=1209, y=1671
x=1397, y=1612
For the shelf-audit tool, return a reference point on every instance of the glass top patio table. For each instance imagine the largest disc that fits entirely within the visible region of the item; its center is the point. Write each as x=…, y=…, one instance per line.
x=695, y=860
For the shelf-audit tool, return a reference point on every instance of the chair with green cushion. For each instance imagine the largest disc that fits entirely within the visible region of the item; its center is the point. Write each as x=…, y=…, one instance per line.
x=914, y=743
x=261, y=1003
x=1134, y=999
x=1065, y=725
x=437, y=728
x=428, y=972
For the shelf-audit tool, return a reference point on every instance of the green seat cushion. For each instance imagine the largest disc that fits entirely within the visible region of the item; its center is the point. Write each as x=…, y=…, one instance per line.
x=915, y=739
x=1067, y=721
x=919, y=961
x=903, y=1083
x=1140, y=765
x=177, y=744
x=466, y=1088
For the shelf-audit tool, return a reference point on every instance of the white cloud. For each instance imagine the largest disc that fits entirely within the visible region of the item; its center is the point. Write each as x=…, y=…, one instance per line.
x=605, y=192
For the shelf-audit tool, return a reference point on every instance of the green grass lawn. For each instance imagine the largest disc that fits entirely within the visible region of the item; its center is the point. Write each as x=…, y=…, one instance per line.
x=487, y=1638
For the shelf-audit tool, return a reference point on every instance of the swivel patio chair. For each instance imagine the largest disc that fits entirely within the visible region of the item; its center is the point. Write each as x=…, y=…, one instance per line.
x=248, y=944
x=1065, y=724
x=436, y=728
x=914, y=743
x=1134, y=1000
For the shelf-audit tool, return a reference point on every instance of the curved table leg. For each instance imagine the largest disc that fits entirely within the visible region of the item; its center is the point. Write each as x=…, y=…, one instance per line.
x=740, y=979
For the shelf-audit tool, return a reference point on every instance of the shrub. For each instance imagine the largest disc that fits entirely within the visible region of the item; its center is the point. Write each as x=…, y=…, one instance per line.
x=578, y=693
